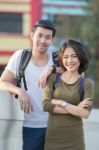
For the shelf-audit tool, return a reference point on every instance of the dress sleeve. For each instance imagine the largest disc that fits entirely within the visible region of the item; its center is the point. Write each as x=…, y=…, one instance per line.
x=89, y=90
x=48, y=94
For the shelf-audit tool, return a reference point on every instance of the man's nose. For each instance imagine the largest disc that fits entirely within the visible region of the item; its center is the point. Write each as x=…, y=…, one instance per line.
x=43, y=40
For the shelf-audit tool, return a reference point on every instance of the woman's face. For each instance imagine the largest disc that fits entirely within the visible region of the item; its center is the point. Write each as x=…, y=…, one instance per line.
x=70, y=60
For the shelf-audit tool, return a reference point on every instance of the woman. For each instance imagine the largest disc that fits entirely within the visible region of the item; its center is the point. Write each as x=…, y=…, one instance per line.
x=65, y=127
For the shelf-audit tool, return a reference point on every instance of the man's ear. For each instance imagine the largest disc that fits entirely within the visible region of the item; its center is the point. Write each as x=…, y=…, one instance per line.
x=53, y=39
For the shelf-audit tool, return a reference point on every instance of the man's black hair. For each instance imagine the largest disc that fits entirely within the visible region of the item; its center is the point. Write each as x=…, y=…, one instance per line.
x=48, y=24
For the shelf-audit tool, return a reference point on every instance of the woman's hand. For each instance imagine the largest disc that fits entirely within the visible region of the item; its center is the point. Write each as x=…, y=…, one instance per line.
x=86, y=103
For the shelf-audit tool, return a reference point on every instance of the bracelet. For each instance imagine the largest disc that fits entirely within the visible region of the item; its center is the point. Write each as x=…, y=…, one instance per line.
x=63, y=104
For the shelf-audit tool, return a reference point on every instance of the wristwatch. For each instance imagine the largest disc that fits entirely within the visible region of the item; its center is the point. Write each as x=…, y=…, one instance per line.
x=63, y=104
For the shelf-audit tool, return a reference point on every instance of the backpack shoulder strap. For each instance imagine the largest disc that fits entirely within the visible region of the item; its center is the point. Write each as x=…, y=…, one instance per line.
x=81, y=89
x=55, y=58
x=25, y=57
x=57, y=79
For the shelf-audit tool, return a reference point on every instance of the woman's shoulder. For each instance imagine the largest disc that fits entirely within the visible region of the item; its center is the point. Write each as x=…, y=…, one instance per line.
x=52, y=76
x=88, y=82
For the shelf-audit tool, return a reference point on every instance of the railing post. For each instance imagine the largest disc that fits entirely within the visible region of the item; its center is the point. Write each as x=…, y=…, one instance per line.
x=11, y=121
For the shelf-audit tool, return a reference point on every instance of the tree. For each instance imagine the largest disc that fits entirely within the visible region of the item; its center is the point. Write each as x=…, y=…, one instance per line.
x=90, y=32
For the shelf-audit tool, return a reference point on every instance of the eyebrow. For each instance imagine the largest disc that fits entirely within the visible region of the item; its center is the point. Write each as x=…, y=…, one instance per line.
x=67, y=54
x=48, y=35
x=45, y=35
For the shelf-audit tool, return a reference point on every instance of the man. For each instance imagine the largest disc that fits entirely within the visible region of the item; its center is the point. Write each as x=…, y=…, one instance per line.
x=35, y=122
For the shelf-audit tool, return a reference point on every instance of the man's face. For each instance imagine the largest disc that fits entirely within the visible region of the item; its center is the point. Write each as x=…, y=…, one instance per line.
x=42, y=39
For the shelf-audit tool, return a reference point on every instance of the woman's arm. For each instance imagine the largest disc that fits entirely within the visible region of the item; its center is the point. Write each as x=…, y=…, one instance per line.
x=48, y=106
x=80, y=110
x=59, y=110
x=54, y=108
x=84, y=107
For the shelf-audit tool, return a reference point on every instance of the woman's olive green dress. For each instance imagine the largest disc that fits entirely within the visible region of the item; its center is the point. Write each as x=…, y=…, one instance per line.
x=65, y=131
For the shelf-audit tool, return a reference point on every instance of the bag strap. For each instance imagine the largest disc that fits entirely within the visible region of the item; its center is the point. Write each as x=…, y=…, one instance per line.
x=25, y=57
x=55, y=59
x=57, y=79
x=81, y=88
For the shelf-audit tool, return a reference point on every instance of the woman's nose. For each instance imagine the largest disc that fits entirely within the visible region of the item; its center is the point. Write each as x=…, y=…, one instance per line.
x=69, y=59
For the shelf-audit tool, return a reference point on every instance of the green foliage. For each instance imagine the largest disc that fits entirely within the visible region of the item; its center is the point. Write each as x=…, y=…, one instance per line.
x=90, y=32
x=90, y=26
x=86, y=29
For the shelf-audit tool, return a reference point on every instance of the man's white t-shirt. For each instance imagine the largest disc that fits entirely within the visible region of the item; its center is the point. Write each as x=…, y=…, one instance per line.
x=38, y=118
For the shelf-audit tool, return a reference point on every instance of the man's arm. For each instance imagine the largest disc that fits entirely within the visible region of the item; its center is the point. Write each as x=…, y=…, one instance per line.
x=8, y=84
x=44, y=75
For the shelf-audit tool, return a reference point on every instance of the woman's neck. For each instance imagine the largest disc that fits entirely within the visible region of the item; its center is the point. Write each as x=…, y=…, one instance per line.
x=70, y=77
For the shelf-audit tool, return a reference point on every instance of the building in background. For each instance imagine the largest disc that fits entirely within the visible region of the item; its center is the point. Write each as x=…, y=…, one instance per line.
x=68, y=15
x=16, y=20
x=18, y=16
x=63, y=7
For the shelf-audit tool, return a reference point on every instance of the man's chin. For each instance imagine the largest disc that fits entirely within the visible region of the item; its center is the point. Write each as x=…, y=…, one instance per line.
x=43, y=50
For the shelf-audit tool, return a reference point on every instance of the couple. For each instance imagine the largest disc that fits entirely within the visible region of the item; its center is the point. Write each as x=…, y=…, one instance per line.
x=64, y=129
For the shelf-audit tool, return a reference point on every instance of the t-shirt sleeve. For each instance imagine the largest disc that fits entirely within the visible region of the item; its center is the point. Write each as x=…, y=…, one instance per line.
x=48, y=94
x=51, y=58
x=89, y=90
x=13, y=63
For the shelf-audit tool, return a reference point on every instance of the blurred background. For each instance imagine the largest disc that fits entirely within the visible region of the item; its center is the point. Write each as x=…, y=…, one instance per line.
x=77, y=19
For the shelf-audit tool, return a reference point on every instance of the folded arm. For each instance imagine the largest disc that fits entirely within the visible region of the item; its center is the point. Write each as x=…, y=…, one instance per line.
x=80, y=110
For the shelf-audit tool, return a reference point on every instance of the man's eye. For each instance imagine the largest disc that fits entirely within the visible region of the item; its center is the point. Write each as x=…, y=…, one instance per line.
x=48, y=37
x=39, y=35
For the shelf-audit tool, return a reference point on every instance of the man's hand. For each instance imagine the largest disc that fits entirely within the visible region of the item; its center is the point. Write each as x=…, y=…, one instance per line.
x=59, y=70
x=43, y=77
x=42, y=80
x=25, y=102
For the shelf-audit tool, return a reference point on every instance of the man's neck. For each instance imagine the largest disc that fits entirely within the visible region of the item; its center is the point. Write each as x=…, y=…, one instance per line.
x=40, y=59
x=39, y=55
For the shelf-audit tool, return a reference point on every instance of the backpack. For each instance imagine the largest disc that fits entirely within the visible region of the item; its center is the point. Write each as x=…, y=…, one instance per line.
x=25, y=57
x=81, y=89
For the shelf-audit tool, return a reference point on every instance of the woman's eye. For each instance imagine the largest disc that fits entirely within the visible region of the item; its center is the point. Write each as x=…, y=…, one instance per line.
x=65, y=57
x=75, y=56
